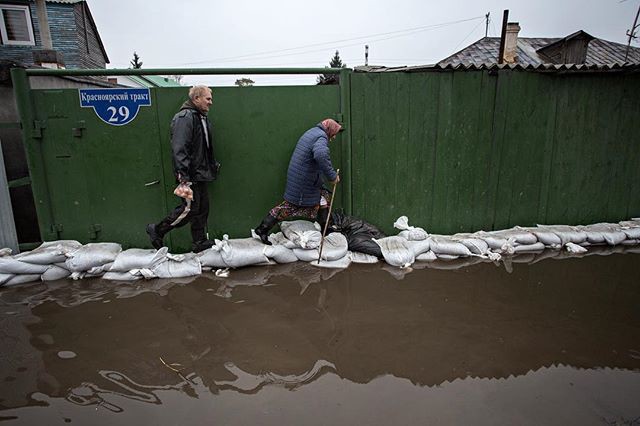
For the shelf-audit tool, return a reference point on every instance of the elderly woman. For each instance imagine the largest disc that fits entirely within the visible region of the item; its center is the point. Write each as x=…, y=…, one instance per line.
x=303, y=195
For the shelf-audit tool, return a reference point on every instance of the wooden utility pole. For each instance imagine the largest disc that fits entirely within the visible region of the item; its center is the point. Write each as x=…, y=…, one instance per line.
x=486, y=25
x=632, y=34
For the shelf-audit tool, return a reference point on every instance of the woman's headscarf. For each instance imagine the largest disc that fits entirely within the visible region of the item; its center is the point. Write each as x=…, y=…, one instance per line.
x=331, y=127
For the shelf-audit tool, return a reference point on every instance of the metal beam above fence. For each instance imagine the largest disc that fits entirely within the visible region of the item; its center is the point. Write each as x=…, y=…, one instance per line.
x=185, y=71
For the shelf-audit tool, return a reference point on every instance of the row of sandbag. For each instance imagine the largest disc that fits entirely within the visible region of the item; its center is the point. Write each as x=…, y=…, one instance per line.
x=414, y=243
x=298, y=241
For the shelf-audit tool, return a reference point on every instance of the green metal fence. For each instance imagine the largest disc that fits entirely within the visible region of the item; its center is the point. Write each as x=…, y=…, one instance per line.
x=467, y=150
x=455, y=151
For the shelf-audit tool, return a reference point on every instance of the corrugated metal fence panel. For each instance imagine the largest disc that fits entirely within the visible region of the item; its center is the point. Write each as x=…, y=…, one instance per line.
x=463, y=151
x=101, y=183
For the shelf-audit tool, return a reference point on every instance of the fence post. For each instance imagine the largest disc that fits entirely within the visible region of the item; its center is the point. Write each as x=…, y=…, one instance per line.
x=8, y=235
x=345, y=108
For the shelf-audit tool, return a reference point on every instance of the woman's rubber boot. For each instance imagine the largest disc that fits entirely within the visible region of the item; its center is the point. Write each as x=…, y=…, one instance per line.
x=265, y=226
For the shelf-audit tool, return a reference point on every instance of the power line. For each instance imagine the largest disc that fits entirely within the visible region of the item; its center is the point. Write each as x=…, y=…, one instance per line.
x=409, y=31
x=455, y=49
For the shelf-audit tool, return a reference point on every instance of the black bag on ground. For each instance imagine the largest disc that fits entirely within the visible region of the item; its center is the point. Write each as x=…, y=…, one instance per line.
x=358, y=232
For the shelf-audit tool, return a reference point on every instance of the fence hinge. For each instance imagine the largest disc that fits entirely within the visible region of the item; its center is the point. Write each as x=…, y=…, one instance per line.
x=56, y=228
x=94, y=230
x=37, y=128
x=77, y=131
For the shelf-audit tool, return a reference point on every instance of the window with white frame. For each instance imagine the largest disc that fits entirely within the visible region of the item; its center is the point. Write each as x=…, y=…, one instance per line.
x=15, y=25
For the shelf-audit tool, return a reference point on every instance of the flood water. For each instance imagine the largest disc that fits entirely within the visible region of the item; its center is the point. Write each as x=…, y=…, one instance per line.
x=556, y=342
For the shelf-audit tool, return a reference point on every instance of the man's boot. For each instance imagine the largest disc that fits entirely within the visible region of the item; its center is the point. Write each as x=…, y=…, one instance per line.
x=201, y=245
x=265, y=226
x=156, y=234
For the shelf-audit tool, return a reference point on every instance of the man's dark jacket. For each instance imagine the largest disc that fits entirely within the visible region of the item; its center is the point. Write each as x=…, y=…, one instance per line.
x=309, y=160
x=193, y=160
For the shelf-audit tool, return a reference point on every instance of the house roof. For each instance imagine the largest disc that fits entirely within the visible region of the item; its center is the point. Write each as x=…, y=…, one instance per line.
x=485, y=51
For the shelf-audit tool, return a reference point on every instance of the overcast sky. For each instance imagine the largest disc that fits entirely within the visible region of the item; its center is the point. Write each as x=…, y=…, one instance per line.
x=298, y=33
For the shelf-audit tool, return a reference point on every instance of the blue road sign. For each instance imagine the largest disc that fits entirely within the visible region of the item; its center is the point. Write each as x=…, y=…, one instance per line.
x=115, y=106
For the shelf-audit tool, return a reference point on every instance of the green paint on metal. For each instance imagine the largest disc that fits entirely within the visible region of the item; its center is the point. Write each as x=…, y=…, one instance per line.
x=10, y=125
x=184, y=71
x=19, y=182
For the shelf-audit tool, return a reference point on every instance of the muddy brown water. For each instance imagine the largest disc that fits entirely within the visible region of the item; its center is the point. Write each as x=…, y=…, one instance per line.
x=553, y=342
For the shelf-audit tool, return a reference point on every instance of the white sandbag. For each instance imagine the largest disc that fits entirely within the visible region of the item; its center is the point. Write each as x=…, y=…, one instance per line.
x=49, y=252
x=55, y=273
x=335, y=247
x=546, y=237
x=278, y=239
x=5, y=277
x=186, y=265
x=22, y=279
x=493, y=241
x=411, y=233
x=574, y=248
x=604, y=233
x=443, y=245
x=242, y=251
x=122, y=276
x=528, y=248
x=91, y=255
x=520, y=235
x=9, y=265
x=630, y=242
x=420, y=246
x=396, y=251
x=475, y=245
x=303, y=233
x=426, y=257
x=567, y=234
x=138, y=258
x=341, y=263
x=97, y=271
x=212, y=258
x=357, y=257
x=80, y=275
x=280, y=254
x=5, y=252
x=631, y=233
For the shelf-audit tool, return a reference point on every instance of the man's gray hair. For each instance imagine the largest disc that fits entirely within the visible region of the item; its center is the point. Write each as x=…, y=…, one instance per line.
x=199, y=90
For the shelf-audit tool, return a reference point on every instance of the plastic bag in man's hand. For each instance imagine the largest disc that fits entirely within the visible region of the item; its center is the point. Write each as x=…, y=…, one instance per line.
x=184, y=191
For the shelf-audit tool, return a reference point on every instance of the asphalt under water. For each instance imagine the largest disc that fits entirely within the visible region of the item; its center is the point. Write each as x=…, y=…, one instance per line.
x=553, y=342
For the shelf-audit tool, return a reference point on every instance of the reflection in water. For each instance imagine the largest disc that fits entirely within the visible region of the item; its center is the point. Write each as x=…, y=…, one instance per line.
x=307, y=340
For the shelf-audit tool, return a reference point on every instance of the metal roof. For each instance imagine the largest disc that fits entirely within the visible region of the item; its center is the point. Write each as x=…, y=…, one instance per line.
x=64, y=1
x=485, y=51
x=493, y=66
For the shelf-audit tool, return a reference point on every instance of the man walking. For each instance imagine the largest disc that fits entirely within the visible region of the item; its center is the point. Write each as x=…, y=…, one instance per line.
x=303, y=195
x=194, y=165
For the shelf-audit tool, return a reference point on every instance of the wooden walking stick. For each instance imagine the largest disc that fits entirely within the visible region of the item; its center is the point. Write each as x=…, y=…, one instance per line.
x=326, y=224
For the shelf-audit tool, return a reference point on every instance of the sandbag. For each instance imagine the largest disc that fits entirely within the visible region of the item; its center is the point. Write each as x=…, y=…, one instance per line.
x=494, y=242
x=357, y=257
x=92, y=255
x=396, y=251
x=546, y=236
x=411, y=233
x=138, y=258
x=49, y=252
x=5, y=252
x=242, y=251
x=97, y=271
x=359, y=233
x=280, y=254
x=54, y=273
x=567, y=234
x=427, y=257
x=528, y=248
x=475, y=245
x=175, y=266
x=122, y=276
x=5, y=277
x=603, y=233
x=574, y=248
x=631, y=233
x=443, y=245
x=9, y=265
x=419, y=246
x=303, y=233
x=520, y=235
x=335, y=247
x=22, y=279
x=211, y=258
x=278, y=239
